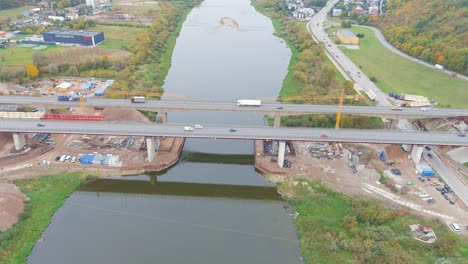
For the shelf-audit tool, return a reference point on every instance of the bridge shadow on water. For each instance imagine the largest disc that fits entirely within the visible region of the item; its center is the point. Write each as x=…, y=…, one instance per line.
x=202, y=190
x=200, y=157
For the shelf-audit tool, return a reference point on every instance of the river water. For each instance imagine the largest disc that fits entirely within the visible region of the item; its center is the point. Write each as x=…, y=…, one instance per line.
x=212, y=207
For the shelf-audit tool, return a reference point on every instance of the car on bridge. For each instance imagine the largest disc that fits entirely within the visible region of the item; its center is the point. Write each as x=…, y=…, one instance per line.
x=232, y=130
x=324, y=136
x=40, y=125
x=279, y=107
x=198, y=126
x=187, y=128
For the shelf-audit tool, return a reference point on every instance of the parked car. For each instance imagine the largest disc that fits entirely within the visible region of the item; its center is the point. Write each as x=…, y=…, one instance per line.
x=57, y=158
x=396, y=171
x=73, y=159
x=455, y=227
x=427, y=148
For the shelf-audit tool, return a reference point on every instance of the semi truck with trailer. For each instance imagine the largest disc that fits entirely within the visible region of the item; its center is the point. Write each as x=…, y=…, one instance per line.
x=249, y=102
x=138, y=99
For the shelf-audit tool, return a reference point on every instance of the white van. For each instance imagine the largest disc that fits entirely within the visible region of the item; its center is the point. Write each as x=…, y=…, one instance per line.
x=455, y=227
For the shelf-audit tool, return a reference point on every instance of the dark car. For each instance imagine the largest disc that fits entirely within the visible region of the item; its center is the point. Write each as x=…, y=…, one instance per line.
x=232, y=130
x=428, y=148
x=57, y=158
x=279, y=107
x=40, y=125
x=462, y=135
x=429, y=155
x=396, y=171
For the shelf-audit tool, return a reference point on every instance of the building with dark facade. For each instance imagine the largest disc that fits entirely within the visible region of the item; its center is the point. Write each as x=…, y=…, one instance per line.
x=85, y=38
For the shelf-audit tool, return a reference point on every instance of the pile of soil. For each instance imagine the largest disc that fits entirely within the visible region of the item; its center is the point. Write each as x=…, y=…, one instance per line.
x=11, y=205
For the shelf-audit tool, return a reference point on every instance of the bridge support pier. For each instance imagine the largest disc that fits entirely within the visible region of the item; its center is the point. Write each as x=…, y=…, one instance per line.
x=416, y=153
x=153, y=179
x=281, y=151
x=277, y=121
x=19, y=140
x=163, y=117
x=152, y=147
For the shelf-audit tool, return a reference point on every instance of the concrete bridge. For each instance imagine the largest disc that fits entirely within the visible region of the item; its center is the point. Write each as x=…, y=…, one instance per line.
x=272, y=109
x=153, y=131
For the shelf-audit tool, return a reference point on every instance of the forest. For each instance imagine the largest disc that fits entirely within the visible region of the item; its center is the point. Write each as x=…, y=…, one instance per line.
x=432, y=30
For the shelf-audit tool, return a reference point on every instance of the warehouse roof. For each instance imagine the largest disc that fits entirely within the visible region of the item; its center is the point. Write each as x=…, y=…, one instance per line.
x=346, y=33
x=73, y=32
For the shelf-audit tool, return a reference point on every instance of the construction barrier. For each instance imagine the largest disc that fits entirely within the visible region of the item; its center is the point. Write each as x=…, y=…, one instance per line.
x=72, y=117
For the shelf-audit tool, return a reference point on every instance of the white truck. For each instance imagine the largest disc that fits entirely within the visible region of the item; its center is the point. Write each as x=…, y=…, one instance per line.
x=138, y=99
x=249, y=102
x=439, y=67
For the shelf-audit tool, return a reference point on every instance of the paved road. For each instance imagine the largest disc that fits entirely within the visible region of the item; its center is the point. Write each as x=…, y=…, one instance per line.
x=449, y=177
x=294, y=134
x=389, y=46
x=315, y=26
x=265, y=108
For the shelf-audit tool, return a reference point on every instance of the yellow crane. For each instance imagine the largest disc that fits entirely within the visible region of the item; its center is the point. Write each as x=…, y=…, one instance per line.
x=341, y=98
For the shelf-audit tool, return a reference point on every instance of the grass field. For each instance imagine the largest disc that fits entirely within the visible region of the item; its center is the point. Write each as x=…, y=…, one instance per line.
x=46, y=195
x=21, y=56
x=114, y=44
x=119, y=32
x=400, y=75
x=13, y=12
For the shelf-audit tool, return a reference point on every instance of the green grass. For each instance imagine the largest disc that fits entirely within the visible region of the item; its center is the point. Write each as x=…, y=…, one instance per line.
x=16, y=56
x=13, y=12
x=321, y=212
x=20, y=36
x=114, y=44
x=466, y=164
x=46, y=195
x=400, y=75
x=119, y=32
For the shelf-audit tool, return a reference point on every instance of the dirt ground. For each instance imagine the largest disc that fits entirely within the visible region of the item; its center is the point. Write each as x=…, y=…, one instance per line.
x=11, y=205
x=335, y=174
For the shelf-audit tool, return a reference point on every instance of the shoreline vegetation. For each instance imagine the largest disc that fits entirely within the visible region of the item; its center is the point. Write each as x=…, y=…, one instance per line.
x=311, y=77
x=337, y=228
x=47, y=194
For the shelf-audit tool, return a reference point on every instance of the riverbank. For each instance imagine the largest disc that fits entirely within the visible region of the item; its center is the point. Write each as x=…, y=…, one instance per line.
x=336, y=228
x=46, y=195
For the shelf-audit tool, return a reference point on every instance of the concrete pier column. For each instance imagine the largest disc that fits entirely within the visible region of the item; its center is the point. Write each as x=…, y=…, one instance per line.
x=277, y=121
x=281, y=151
x=153, y=179
x=19, y=140
x=163, y=117
x=416, y=154
x=150, y=148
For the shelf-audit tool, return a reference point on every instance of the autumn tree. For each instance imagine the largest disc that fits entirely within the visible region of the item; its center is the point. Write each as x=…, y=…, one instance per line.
x=31, y=71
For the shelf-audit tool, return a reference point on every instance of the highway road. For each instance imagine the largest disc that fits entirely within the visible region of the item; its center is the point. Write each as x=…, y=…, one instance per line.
x=449, y=177
x=265, y=108
x=316, y=28
x=293, y=134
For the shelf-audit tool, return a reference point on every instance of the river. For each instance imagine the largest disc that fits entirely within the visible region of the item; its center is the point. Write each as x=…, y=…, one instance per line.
x=212, y=207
